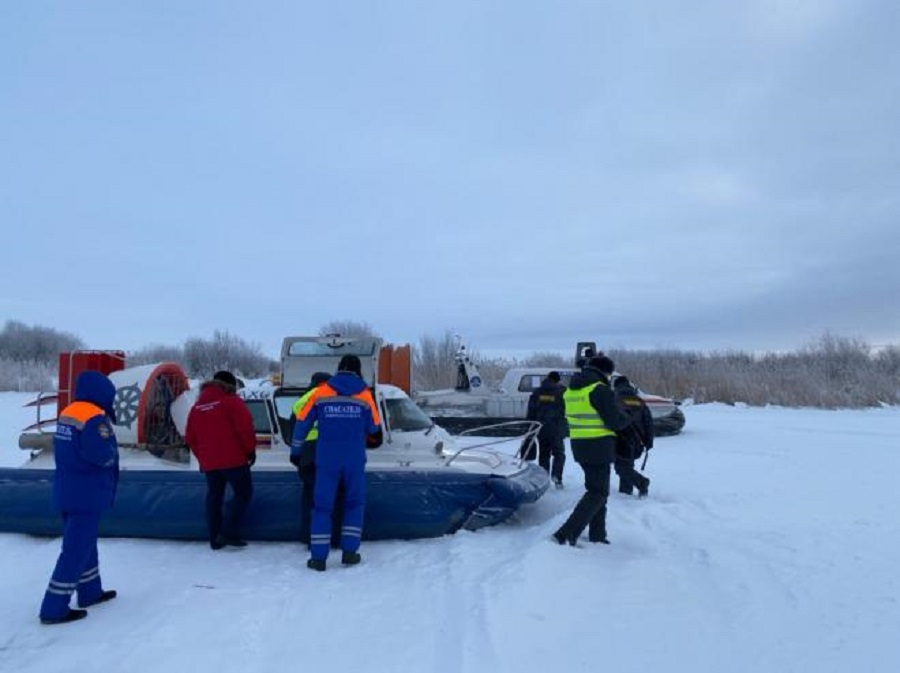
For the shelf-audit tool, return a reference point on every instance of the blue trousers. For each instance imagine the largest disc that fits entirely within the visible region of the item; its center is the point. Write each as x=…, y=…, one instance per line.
x=77, y=568
x=307, y=501
x=328, y=477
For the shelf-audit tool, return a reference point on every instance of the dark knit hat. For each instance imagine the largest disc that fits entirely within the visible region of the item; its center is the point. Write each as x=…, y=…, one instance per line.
x=225, y=377
x=553, y=376
x=350, y=363
x=604, y=364
x=319, y=377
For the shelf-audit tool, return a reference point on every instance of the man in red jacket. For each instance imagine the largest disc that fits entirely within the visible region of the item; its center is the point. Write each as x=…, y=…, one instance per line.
x=220, y=433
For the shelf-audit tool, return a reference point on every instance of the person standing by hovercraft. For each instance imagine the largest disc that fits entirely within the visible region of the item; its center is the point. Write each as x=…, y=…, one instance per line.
x=84, y=485
x=348, y=421
x=221, y=435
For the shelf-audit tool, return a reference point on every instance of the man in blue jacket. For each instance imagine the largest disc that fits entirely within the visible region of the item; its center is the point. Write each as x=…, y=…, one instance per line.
x=348, y=422
x=84, y=485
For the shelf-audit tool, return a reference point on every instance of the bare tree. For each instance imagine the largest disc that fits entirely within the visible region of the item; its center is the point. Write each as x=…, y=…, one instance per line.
x=27, y=376
x=350, y=329
x=888, y=362
x=434, y=362
x=224, y=351
x=548, y=360
x=223, y=347
x=21, y=343
x=156, y=353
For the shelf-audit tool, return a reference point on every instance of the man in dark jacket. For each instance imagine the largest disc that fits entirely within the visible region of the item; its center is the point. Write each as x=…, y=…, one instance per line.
x=84, y=485
x=221, y=435
x=631, y=442
x=348, y=421
x=547, y=406
x=593, y=419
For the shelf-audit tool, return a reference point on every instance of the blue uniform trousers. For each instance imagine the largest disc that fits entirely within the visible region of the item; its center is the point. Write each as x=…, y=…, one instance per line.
x=328, y=477
x=77, y=568
x=307, y=501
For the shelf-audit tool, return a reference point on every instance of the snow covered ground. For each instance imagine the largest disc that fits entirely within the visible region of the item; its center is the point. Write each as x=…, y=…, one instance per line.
x=770, y=542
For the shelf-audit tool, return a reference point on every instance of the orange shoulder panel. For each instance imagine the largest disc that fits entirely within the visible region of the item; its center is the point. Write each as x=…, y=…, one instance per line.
x=82, y=411
x=367, y=397
x=322, y=390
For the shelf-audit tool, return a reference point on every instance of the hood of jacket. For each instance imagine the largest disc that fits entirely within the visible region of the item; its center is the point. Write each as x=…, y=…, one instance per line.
x=548, y=386
x=346, y=383
x=96, y=388
x=625, y=390
x=214, y=390
x=586, y=377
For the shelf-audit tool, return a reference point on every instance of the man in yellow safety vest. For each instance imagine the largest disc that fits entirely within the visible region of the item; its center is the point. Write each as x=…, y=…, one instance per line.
x=593, y=419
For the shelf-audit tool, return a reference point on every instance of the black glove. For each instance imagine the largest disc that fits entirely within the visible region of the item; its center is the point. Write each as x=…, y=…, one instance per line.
x=295, y=459
x=374, y=440
x=251, y=458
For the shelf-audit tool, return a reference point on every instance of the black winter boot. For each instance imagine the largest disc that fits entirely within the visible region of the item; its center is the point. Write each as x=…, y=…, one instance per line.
x=70, y=616
x=562, y=538
x=644, y=488
x=107, y=595
x=316, y=564
x=598, y=535
x=350, y=558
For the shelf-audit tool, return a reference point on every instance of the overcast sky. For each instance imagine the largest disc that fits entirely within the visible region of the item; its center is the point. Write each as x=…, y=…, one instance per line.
x=699, y=175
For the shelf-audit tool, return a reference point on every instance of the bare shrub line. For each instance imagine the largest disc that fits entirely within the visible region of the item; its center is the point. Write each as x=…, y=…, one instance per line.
x=833, y=372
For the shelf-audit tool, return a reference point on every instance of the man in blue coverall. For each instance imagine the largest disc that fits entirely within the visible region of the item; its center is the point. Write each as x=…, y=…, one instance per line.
x=84, y=485
x=348, y=423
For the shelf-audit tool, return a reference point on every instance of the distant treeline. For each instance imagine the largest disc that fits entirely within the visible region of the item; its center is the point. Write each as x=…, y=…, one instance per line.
x=29, y=356
x=831, y=372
